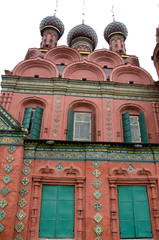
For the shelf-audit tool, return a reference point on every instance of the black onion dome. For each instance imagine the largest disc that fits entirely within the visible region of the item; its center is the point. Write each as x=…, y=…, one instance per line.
x=115, y=27
x=82, y=30
x=53, y=21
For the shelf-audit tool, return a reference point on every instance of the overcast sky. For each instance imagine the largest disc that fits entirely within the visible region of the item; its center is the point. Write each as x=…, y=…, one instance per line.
x=20, y=20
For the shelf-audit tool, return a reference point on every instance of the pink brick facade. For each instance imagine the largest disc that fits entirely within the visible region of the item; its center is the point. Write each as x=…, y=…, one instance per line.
x=102, y=84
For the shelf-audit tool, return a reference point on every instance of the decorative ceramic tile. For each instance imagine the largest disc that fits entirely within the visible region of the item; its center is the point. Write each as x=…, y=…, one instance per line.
x=6, y=179
x=55, y=135
x=3, y=203
x=27, y=162
x=109, y=139
x=131, y=168
x=97, y=194
x=97, y=184
x=108, y=118
x=107, y=100
x=25, y=181
x=58, y=97
x=109, y=133
x=5, y=191
x=108, y=113
x=19, y=227
x=59, y=167
x=23, y=192
x=109, y=123
x=96, y=173
x=97, y=206
x=56, y=124
x=108, y=109
x=9, y=158
x=26, y=171
x=18, y=237
x=11, y=149
x=109, y=128
x=108, y=105
x=1, y=227
x=22, y=203
x=8, y=168
x=96, y=164
x=2, y=215
x=98, y=229
x=55, y=130
x=98, y=218
x=98, y=238
x=21, y=215
x=58, y=101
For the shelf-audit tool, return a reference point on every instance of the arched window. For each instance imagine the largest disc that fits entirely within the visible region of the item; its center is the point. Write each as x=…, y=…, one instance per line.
x=134, y=125
x=81, y=122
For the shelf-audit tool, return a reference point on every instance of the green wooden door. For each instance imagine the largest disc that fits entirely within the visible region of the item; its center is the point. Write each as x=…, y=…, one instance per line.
x=57, y=212
x=126, y=127
x=35, y=130
x=27, y=117
x=70, y=124
x=134, y=217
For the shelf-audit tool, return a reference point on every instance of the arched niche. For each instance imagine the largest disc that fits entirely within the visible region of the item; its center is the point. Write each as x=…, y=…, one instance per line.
x=131, y=74
x=106, y=57
x=84, y=70
x=63, y=54
x=36, y=67
x=132, y=108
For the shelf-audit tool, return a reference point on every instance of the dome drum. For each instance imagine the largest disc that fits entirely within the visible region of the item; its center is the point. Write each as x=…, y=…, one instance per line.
x=82, y=44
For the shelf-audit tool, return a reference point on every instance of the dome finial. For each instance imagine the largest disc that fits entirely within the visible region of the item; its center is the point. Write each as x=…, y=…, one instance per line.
x=56, y=8
x=113, y=13
x=83, y=12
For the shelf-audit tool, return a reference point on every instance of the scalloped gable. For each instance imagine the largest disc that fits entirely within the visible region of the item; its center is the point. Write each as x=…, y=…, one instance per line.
x=129, y=73
x=63, y=54
x=37, y=66
x=84, y=69
x=8, y=122
x=106, y=57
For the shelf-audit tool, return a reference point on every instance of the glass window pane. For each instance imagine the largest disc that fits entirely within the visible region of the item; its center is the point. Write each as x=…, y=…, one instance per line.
x=82, y=127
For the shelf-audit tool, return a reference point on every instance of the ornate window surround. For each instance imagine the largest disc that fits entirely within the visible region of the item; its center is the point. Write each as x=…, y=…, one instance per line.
x=121, y=177
x=68, y=176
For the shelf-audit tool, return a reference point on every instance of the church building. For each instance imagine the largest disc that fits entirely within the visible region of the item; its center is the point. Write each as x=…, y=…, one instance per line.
x=79, y=140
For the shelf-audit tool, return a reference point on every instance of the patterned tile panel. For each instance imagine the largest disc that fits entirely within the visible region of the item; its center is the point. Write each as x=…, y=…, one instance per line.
x=1, y=227
x=98, y=218
x=98, y=238
x=6, y=179
x=25, y=181
x=97, y=184
x=11, y=149
x=59, y=167
x=22, y=203
x=5, y=191
x=97, y=206
x=18, y=237
x=9, y=158
x=96, y=164
x=26, y=171
x=19, y=227
x=23, y=192
x=98, y=229
x=3, y=203
x=97, y=194
x=27, y=162
x=8, y=168
x=96, y=173
x=21, y=214
x=2, y=215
